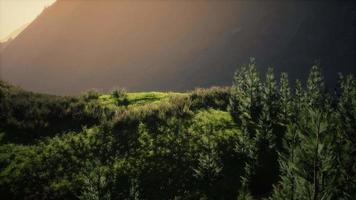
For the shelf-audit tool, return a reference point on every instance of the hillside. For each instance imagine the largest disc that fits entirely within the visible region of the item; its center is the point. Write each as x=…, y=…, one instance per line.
x=259, y=138
x=14, y=34
x=176, y=45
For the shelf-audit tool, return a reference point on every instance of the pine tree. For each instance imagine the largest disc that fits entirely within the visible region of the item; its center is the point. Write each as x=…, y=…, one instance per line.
x=270, y=108
x=245, y=102
x=286, y=188
x=345, y=141
x=308, y=167
x=317, y=136
x=246, y=107
x=298, y=101
x=316, y=95
x=265, y=170
x=314, y=157
x=285, y=100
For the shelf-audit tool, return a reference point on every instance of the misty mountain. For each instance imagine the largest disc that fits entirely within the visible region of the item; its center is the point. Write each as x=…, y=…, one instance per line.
x=176, y=45
x=14, y=33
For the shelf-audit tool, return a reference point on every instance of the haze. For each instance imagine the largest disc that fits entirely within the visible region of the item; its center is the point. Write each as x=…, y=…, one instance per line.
x=77, y=45
x=16, y=13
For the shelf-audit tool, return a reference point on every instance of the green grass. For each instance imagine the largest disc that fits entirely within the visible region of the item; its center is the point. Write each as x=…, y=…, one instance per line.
x=138, y=98
x=214, y=121
x=107, y=100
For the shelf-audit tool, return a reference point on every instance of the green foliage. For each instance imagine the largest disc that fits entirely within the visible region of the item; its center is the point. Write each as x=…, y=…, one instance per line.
x=140, y=98
x=96, y=182
x=312, y=165
x=286, y=102
x=296, y=142
x=246, y=96
x=91, y=95
x=26, y=116
x=121, y=97
x=208, y=169
x=257, y=107
x=344, y=122
x=258, y=139
x=150, y=149
x=215, y=97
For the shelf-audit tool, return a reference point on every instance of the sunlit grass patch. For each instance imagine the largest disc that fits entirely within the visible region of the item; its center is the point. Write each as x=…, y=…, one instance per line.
x=214, y=120
x=138, y=98
x=107, y=99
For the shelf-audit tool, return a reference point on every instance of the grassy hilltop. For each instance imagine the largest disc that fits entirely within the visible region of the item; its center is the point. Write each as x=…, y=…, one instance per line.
x=258, y=139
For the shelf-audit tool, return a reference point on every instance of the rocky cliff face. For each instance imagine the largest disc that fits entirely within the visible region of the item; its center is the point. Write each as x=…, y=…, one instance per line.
x=176, y=45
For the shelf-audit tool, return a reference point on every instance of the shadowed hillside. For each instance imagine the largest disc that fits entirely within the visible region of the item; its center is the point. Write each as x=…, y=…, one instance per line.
x=177, y=45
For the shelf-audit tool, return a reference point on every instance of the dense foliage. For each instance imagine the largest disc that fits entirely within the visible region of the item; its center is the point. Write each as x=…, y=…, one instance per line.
x=261, y=138
x=301, y=142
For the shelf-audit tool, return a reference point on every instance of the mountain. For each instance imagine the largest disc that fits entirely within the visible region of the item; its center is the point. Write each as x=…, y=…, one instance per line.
x=176, y=45
x=13, y=34
x=7, y=40
x=2, y=45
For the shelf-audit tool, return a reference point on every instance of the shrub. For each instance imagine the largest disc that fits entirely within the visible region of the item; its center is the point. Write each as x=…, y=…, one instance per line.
x=215, y=97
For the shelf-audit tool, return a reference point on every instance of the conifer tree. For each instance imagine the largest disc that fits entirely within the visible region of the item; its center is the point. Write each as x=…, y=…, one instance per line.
x=286, y=189
x=298, y=101
x=314, y=156
x=270, y=108
x=285, y=100
x=265, y=169
x=316, y=95
x=245, y=102
x=308, y=167
x=246, y=107
x=345, y=141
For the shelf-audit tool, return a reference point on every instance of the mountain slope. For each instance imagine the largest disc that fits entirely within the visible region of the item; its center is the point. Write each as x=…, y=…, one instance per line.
x=13, y=34
x=175, y=45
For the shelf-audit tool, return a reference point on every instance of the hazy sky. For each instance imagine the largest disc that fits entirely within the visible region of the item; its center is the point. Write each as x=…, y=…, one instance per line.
x=16, y=13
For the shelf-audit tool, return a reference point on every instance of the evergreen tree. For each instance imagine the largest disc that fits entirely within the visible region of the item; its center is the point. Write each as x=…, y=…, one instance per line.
x=286, y=188
x=268, y=135
x=308, y=167
x=316, y=95
x=345, y=141
x=270, y=108
x=314, y=156
x=245, y=102
x=298, y=101
x=285, y=101
x=246, y=108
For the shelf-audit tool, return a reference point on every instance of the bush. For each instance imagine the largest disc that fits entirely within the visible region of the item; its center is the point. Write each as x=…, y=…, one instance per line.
x=120, y=95
x=215, y=97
